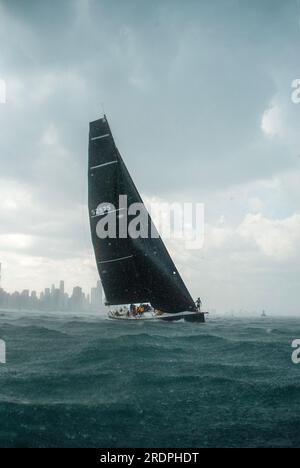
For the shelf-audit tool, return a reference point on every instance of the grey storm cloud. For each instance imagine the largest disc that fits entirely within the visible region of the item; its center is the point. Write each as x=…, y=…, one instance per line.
x=179, y=82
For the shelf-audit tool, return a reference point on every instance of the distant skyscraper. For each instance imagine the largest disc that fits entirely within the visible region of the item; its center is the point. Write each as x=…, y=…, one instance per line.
x=77, y=299
x=96, y=296
x=25, y=299
x=33, y=300
x=55, y=299
x=61, y=301
x=47, y=299
x=94, y=299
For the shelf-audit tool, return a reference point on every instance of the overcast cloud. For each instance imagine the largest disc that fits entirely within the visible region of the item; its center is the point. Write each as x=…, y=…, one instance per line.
x=198, y=95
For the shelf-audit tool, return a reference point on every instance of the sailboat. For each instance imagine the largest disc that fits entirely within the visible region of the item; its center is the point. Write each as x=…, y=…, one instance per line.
x=132, y=270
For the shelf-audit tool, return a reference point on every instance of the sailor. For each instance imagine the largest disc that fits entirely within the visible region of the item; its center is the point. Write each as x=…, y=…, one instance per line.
x=198, y=304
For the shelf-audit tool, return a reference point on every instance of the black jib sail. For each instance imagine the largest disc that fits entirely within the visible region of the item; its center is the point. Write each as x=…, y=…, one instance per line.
x=132, y=270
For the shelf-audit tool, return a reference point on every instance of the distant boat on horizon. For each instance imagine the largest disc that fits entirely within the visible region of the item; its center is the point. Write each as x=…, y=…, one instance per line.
x=263, y=314
x=134, y=272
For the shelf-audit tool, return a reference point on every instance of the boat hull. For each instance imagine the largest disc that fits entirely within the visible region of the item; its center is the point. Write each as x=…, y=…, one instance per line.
x=198, y=317
x=186, y=316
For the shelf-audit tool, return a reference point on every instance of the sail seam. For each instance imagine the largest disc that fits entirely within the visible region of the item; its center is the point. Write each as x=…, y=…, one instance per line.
x=116, y=259
x=100, y=136
x=104, y=164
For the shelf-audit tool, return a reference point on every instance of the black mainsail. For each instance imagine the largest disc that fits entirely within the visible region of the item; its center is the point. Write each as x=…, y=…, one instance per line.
x=132, y=270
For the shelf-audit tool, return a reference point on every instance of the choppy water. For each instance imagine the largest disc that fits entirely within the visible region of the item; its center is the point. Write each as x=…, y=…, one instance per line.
x=88, y=382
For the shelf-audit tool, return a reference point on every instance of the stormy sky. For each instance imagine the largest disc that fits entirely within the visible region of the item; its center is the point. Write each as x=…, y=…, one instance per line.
x=198, y=95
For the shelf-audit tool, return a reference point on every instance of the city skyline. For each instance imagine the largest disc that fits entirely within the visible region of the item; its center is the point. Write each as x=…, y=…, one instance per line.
x=53, y=298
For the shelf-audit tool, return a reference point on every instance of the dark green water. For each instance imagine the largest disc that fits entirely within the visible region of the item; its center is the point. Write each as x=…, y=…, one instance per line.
x=86, y=382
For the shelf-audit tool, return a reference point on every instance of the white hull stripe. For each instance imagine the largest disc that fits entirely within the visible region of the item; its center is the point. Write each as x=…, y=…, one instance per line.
x=101, y=136
x=117, y=259
x=102, y=165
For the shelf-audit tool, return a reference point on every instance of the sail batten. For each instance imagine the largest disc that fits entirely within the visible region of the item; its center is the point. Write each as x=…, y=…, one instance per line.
x=132, y=270
x=102, y=165
x=116, y=259
x=100, y=136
